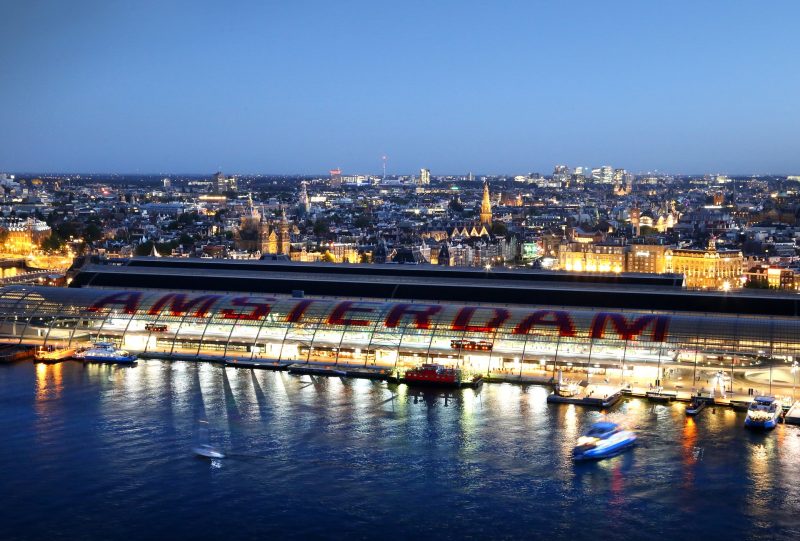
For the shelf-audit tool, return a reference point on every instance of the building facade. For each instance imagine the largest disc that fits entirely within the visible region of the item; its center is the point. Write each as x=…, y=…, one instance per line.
x=259, y=327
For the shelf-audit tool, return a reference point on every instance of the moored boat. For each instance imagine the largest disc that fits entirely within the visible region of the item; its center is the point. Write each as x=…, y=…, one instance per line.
x=106, y=352
x=52, y=354
x=695, y=406
x=764, y=413
x=439, y=375
x=603, y=440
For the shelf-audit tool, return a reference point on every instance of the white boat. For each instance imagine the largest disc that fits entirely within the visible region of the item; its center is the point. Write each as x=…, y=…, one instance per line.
x=206, y=450
x=203, y=448
x=565, y=388
x=603, y=440
x=106, y=352
x=764, y=413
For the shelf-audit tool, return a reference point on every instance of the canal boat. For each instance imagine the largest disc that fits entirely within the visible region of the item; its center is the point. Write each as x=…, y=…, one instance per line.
x=764, y=413
x=441, y=376
x=603, y=440
x=106, y=352
x=695, y=406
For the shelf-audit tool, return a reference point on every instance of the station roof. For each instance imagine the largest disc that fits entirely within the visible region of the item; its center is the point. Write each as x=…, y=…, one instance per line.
x=431, y=283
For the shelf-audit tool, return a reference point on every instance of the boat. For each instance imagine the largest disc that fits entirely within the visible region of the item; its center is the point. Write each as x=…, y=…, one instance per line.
x=106, y=352
x=763, y=413
x=695, y=406
x=439, y=375
x=603, y=440
x=566, y=389
x=206, y=450
x=658, y=395
x=203, y=447
x=53, y=354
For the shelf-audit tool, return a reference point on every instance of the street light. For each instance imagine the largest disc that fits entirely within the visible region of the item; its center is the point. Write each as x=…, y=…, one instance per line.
x=795, y=366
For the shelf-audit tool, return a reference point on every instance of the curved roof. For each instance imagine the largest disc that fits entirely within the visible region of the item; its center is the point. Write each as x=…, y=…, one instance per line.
x=753, y=335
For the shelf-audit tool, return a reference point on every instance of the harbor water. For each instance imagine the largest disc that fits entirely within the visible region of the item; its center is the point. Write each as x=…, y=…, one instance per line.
x=105, y=452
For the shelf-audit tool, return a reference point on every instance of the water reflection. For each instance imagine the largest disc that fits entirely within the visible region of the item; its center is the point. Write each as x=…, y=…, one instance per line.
x=373, y=452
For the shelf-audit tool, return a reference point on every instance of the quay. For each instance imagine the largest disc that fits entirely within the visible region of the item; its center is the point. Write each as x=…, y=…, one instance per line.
x=602, y=396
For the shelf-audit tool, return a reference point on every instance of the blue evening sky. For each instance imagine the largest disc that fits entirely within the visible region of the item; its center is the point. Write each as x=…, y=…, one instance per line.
x=490, y=87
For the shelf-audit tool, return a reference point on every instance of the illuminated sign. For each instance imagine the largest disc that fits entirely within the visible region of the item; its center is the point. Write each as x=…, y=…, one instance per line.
x=465, y=319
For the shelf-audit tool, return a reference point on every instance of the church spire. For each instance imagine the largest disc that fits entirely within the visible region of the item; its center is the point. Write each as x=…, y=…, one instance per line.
x=486, y=206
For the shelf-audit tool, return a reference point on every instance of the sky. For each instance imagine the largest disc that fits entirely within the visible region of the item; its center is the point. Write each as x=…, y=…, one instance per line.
x=491, y=87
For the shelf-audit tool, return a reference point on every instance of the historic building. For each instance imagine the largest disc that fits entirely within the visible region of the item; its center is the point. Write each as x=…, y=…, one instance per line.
x=707, y=269
x=256, y=234
x=23, y=236
x=486, y=207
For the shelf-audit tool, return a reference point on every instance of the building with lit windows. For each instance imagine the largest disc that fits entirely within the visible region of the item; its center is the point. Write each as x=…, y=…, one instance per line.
x=23, y=236
x=707, y=269
x=646, y=258
x=592, y=257
x=424, y=177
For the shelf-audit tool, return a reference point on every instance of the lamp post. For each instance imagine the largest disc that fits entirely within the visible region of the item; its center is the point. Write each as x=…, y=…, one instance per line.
x=794, y=377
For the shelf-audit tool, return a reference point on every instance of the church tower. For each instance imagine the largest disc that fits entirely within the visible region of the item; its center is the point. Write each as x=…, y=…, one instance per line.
x=285, y=241
x=486, y=206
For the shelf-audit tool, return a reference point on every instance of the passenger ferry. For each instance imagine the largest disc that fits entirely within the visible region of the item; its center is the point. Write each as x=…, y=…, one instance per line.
x=764, y=413
x=438, y=375
x=106, y=352
x=603, y=440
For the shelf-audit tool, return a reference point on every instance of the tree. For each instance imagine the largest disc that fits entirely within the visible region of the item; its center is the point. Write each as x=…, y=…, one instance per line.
x=92, y=233
x=362, y=221
x=186, y=239
x=499, y=229
x=53, y=243
x=321, y=228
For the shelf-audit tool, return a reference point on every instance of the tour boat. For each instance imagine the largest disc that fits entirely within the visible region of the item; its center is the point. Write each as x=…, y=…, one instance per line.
x=603, y=440
x=764, y=413
x=436, y=374
x=106, y=352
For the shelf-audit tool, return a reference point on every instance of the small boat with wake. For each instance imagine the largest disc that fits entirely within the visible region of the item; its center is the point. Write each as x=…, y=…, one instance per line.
x=603, y=440
x=203, y=447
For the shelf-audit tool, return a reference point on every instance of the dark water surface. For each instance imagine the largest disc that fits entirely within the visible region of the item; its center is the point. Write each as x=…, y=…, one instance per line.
x=102, y=452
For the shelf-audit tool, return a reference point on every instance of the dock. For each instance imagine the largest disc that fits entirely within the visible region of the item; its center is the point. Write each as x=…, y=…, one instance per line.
x=792, y=417
x=14, y=353
x=603, y=399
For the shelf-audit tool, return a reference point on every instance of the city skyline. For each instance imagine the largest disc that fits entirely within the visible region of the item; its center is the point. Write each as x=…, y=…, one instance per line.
x=299, y=89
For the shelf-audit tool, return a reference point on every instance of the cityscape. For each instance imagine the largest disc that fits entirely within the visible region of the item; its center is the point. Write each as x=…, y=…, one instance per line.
x=717, y=232
x=358, y=270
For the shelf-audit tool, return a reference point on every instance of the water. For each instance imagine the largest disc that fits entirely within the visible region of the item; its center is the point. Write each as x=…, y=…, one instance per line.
x=102, y=452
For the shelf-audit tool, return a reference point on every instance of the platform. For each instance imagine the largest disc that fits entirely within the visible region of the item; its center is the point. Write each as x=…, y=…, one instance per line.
x=792, y=417
x=604, y=398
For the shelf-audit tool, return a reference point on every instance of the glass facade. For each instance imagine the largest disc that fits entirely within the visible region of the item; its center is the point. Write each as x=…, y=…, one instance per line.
x=643, y=346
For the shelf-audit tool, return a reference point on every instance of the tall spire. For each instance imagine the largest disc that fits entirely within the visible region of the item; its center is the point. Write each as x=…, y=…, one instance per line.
x=486, y=206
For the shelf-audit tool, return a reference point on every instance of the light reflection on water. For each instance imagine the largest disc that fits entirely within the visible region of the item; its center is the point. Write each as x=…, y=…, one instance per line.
x=334, y=458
